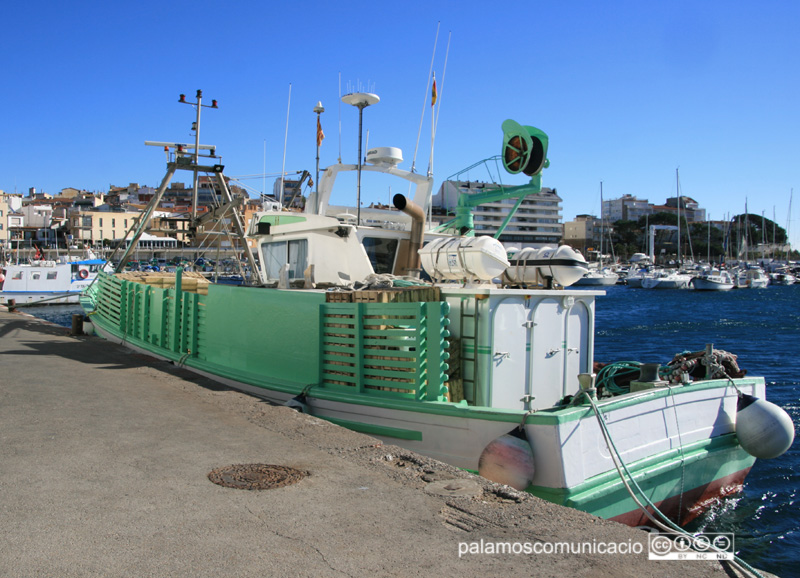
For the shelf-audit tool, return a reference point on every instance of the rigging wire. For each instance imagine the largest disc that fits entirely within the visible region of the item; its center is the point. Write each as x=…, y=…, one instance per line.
x=438, y=105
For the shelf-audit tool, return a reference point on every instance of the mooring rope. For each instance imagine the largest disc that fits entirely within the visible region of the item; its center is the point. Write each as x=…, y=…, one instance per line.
x=668, y=525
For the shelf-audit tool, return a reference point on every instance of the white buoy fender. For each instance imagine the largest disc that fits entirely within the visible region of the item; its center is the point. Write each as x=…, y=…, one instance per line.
x=508, y=460
x=764, y=430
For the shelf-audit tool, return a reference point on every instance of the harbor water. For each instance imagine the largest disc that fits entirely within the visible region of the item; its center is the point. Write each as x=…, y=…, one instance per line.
x=761, y=327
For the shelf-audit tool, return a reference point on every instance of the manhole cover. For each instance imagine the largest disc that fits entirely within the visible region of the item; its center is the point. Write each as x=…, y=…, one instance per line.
x=256, y=476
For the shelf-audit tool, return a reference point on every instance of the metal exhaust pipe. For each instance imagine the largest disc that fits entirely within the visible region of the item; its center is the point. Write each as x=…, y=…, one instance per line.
x=410, y=208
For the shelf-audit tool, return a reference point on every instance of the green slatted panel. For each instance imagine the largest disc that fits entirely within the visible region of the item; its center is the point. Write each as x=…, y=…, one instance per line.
x=385, y=349
x=152, y=314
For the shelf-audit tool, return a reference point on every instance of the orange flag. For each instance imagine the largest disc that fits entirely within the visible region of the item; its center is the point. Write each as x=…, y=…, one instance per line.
x=433, y=92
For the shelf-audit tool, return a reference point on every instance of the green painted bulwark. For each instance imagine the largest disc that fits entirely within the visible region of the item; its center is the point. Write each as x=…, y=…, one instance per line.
x=272, y=339
x=268, y=334
x=260, y=337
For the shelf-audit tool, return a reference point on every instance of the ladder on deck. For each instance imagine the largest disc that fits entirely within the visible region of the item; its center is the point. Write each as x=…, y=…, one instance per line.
x=469, y=342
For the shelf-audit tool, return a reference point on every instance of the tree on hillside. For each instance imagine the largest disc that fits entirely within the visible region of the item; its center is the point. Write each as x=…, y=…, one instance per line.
x=757, y=229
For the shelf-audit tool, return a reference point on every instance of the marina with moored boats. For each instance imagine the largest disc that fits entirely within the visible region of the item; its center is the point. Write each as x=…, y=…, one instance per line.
x=472, y=354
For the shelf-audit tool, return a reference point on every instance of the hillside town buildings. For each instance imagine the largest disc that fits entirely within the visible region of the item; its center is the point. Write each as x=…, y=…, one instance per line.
x=76, y=218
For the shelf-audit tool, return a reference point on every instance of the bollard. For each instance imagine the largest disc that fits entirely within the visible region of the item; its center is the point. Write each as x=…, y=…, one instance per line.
x=77, y=324
x=11, y=305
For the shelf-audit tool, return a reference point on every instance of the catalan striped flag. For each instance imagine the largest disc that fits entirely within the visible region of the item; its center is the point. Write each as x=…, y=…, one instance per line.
x=320, y=134
x=433, y=92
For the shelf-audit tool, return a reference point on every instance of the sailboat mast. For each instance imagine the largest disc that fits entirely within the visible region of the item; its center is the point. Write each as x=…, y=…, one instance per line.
x=678, y=191
x=602, y=225
x=789, y=226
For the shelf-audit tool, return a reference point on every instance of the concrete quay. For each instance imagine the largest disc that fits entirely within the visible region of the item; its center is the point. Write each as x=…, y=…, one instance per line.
x=104, y=463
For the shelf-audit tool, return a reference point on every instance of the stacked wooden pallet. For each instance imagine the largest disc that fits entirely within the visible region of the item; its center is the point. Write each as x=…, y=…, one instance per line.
x=191, y=281
x=419, y=294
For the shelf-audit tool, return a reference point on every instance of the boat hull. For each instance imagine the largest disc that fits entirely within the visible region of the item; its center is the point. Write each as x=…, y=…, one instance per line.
x=665, y=283
x=597, y=280
x=40, y=297
x=47, y=282
x=683, y=433
x=685, y=507
x=709, y=285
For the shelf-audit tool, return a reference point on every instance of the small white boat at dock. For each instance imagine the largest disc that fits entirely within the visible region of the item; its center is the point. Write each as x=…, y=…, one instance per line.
x=713, y=280
x=42, y=282
x=666, y=279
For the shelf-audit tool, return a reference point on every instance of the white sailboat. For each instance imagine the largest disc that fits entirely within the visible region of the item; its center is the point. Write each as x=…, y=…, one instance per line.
x=599, y=276
x=667, y=278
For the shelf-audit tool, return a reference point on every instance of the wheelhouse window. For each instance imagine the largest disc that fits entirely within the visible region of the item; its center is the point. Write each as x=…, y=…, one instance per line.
x=35, y=275
x=279, y=253
x=381, y=253
x=52, y=274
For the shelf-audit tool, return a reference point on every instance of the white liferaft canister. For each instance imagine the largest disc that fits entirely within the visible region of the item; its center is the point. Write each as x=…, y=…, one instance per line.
x=562, y=264
x=470, y=258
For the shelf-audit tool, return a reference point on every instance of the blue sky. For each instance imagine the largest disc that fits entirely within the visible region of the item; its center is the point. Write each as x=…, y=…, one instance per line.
x=627, y=92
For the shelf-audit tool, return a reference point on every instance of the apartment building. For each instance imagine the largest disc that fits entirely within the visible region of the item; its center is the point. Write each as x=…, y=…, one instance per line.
x=4, y=210
x=583, y=234
x=630, y=208
x=536, y=223
x=98, y=227
x=626, y=208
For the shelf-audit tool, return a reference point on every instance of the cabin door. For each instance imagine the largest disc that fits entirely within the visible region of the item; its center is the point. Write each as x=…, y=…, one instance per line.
x=548, y=353
x=509, y=354
x=578, y=339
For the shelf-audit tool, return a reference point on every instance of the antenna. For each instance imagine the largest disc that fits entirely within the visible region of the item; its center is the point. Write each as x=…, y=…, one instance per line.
x=360, y=100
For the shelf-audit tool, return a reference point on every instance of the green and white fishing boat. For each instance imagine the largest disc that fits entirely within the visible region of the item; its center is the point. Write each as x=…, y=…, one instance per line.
x=489, y=366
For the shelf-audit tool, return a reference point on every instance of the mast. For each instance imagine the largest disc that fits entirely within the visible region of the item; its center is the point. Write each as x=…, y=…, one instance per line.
x=196, y=127
x=186, y=160
x=285, y=141
x=746, y=233
x=319, y=109
x=678, y=191
x=789, y=226
x=602, y=227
